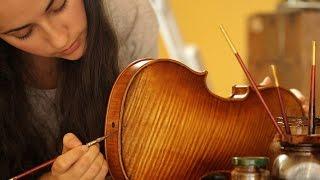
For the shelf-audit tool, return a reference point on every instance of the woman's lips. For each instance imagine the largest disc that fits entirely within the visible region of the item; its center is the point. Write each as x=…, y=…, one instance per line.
x=73, y=47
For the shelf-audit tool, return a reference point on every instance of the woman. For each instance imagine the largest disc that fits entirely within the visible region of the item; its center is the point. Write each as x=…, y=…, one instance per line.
x=58, y=61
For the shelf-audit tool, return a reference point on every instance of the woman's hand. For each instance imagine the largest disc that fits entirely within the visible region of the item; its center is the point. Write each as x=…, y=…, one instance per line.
x=77, y=161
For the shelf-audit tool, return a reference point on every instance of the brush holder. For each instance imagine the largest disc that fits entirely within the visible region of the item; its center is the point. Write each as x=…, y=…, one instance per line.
x=298, y=125
x=299, y=158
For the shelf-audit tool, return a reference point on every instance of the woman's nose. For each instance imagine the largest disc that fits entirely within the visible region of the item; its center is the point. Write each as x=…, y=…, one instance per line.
x=57, y=35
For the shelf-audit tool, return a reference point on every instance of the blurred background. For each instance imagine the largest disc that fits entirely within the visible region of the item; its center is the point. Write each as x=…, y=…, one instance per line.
x=199, y=22
x=264, y=32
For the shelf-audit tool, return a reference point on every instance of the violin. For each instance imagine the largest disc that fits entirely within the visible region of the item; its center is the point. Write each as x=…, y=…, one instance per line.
x=164, y=123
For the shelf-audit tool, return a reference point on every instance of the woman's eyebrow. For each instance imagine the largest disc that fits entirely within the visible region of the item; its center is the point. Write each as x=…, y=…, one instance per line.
x=27, y=25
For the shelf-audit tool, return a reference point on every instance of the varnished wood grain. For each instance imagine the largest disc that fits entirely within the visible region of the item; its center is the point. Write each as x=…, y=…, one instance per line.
x=168, y=125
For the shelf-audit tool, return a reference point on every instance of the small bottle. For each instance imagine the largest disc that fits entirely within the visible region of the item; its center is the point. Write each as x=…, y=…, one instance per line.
x=250, y=168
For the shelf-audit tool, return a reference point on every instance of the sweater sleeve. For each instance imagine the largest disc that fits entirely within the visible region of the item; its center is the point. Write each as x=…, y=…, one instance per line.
x=137, y=29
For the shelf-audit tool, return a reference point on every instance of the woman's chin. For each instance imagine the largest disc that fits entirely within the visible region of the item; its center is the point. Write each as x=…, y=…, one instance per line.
x=72, y=57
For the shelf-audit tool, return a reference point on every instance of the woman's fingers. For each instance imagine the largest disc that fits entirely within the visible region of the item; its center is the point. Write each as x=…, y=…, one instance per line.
x=84, y=163
x=70, y=141
x=63, y=163
x=79, y=161
x=103, y=171
x=94, y=169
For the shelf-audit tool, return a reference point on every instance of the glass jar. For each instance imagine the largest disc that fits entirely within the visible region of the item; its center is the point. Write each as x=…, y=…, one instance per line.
x=250, y=168
x=297, y=162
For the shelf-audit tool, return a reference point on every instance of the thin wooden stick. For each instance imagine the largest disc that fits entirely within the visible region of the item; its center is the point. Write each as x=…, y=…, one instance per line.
x=312, y=129
x=50, y=162
x=252, y=82
x=283, y=111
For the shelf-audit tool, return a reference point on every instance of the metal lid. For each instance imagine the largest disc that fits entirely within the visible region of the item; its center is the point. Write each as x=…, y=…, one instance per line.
x=259, y=162
x=294, y=5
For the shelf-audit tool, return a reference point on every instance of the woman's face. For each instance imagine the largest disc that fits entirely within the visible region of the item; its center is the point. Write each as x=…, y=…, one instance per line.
x=48, y=28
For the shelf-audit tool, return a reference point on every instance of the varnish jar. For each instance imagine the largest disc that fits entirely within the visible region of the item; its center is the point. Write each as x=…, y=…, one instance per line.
x=250, y=168
x=297, y=162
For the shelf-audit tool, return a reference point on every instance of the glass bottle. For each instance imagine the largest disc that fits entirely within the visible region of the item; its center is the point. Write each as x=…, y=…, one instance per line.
x=250, y=168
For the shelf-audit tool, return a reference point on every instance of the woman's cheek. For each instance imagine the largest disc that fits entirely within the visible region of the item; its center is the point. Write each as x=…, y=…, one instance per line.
x=32, y=47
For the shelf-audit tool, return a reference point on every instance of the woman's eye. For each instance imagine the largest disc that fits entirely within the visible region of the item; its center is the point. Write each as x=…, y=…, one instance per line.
x=61, y=7
x=25, y=36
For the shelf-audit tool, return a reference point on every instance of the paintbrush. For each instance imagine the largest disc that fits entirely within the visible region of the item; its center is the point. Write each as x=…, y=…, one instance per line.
x=48, y=163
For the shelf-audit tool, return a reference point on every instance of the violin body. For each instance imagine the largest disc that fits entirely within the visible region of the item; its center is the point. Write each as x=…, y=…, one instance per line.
x=164, y=123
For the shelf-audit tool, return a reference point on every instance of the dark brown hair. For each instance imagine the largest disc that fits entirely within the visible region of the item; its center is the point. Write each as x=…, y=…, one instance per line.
x=82, y=92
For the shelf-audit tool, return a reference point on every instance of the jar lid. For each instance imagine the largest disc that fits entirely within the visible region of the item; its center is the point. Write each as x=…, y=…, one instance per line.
x=259, y=162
